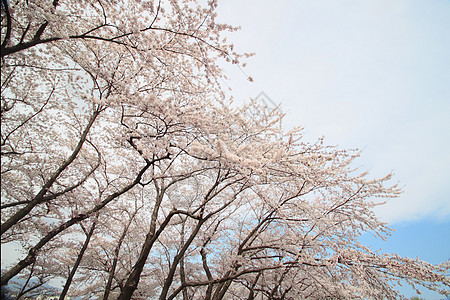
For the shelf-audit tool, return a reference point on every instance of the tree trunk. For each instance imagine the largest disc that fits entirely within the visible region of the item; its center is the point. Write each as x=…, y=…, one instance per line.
x=221, y=290
x=182, y=272
x=116, y=257
x=176, y=260
x=78, y=261
x=133, y=280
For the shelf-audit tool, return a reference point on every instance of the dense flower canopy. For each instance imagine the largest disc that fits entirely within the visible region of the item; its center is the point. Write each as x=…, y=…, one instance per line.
x=128, y=174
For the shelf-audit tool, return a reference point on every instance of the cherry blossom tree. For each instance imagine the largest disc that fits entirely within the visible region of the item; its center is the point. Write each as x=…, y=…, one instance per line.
x=126, y=173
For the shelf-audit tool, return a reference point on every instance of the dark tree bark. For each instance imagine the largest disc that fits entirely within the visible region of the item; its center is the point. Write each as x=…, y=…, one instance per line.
x=152, y=236
x=182, y=271
x=116, y=257
x=33, y=252
x=40, y=197
x=78, y=261
x=178, y=257
x=133, y=279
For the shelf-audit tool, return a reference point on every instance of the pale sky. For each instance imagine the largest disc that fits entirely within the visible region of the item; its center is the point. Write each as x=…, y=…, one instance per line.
x=369, y=74
x=372, y=74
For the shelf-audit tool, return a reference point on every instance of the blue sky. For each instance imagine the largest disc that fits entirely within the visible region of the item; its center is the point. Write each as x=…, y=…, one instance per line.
x=426, y=239
x=371, y=74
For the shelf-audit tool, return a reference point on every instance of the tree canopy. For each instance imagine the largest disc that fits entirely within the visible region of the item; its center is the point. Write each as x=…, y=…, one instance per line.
x=127, y=173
